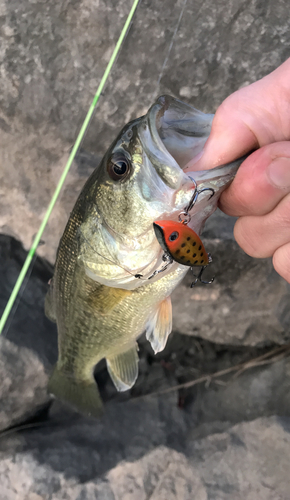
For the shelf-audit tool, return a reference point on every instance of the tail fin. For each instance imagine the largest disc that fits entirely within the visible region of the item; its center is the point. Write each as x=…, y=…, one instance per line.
x=83, y=396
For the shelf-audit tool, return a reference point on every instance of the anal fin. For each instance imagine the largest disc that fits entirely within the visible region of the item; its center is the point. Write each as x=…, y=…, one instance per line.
x=160, y=325
x=123, y=369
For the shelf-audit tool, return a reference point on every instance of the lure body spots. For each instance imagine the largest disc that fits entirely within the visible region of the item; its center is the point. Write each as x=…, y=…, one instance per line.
x=181, y=242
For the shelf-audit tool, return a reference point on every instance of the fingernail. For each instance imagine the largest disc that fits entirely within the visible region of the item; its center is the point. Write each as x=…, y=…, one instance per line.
x=279, y=172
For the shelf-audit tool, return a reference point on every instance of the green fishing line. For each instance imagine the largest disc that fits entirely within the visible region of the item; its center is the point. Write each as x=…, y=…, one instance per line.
x=79, y=139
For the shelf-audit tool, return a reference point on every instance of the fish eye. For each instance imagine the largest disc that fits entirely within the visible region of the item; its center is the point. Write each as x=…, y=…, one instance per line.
x=119, y=167
x=173, y=236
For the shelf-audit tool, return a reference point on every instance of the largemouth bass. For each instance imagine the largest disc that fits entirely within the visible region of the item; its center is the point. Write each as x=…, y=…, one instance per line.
x=101, y=296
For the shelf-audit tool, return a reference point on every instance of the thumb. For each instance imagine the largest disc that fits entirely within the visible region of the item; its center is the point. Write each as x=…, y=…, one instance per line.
x=249, y=118
x=232, y=133
x=261, y=182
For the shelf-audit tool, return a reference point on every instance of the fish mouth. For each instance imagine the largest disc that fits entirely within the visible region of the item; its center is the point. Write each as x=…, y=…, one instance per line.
x=179, y=127
x=172, y=133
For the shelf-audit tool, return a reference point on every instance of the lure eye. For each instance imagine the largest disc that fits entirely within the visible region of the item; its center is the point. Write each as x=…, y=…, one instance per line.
x=119, y=167
x=173, y=236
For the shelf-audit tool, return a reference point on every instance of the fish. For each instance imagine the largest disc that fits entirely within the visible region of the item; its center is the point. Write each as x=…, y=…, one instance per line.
x=102, y=295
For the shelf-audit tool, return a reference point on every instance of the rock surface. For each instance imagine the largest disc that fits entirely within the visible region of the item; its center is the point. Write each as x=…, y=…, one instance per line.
x=248, y=303
x=27, y=325
x=28, y=344
x=23, y=380
x=248, y=461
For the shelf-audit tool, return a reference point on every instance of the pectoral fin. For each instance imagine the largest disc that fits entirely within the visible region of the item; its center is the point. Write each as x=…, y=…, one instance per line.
x=160, y=325
x=123, y=369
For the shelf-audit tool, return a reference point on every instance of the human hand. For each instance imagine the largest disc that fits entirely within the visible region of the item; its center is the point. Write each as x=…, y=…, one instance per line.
x=257, y=116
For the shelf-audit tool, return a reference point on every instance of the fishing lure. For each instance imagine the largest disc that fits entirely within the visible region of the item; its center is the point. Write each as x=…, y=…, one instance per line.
x=181, y=243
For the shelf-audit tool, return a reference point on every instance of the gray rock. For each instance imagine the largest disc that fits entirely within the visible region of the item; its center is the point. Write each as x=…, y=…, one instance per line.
x=27, y=325
x=162, y=474
x=248, y=303
x=249, y=460
x=23, y=384
x=257, y=392
x=28, y=344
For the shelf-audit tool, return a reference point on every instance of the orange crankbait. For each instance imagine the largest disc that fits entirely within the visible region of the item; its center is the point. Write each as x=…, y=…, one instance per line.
x=181, y=242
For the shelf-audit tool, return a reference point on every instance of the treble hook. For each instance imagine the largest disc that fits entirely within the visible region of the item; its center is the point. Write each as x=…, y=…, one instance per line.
x=193, y=201
x=198, y=277
x=168, y=260
x=184, y=217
